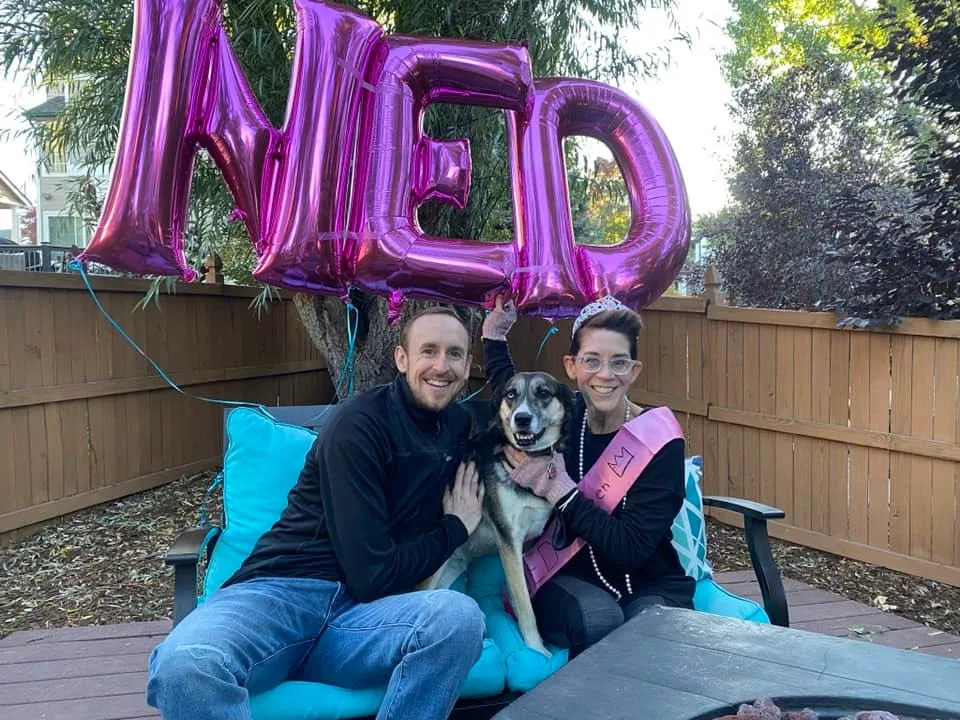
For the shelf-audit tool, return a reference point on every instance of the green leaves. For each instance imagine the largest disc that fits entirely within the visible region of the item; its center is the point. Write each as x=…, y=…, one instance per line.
x=845, y=171
x=774, y=35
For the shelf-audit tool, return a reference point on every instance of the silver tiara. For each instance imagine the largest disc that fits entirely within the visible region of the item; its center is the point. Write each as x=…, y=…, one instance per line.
x=608, y=302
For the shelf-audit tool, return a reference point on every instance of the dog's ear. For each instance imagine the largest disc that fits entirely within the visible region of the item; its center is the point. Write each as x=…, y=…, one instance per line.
x=496, y=397
x=566, y=396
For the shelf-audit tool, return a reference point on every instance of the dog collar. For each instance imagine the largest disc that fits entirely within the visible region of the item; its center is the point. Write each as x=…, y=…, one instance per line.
x=538, y=453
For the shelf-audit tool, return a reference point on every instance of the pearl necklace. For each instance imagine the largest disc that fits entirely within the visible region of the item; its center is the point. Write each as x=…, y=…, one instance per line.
x=593, y=558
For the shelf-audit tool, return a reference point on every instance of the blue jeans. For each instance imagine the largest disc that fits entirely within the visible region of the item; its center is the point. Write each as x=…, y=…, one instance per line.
x=252, y=636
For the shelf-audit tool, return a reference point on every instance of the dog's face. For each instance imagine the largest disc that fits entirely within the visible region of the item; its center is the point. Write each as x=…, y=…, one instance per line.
x=534, y=410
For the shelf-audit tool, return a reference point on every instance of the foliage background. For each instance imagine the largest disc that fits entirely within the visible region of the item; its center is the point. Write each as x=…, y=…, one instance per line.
x=845, y=180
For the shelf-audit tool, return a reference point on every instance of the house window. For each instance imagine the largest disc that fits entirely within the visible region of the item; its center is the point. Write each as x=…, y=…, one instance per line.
x=66, y=230
x=55, y=162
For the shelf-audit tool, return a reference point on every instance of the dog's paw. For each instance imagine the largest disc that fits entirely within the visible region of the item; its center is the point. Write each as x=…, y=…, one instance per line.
x=540, y=648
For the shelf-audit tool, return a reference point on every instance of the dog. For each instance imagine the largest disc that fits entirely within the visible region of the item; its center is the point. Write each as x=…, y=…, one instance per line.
x=533, y=412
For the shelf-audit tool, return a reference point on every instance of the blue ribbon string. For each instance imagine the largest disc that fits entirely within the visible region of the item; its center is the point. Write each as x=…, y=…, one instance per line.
x=78, y=266
x=473, y=394
x=347, y=371
x=346, y=374
x=551, y=331
x=203, y=519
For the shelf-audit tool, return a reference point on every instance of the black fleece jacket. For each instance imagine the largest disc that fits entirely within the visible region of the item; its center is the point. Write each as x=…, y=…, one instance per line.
x=635, y=540
x=367, y=507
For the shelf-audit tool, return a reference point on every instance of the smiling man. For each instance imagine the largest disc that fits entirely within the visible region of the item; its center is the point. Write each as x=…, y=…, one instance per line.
x=327, y=593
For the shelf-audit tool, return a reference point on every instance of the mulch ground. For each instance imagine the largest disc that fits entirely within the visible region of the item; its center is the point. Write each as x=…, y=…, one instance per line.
x=105, y=565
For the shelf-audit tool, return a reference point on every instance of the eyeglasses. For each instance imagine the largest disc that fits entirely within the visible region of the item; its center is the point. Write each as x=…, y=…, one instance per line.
x=618, y=366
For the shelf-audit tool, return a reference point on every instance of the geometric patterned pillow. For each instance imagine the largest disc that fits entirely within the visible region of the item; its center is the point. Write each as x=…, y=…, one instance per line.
x=689, y=528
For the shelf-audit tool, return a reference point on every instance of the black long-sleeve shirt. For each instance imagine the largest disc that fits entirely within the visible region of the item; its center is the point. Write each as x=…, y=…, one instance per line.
x=367, y=507
x=636, y=539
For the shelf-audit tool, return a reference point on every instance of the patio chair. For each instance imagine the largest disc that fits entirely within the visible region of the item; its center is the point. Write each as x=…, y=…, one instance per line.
x=259, y=448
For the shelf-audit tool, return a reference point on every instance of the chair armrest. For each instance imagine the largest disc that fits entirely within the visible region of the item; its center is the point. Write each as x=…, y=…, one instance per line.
x=755, y=516
x=190, y=545
x=747, y=508
x=184, y=555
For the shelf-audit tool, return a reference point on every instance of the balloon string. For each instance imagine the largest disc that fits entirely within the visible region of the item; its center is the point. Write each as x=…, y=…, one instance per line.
x=352, y=342
x=203, y=517
x=353, y=320
x=347, y=371
x=79, y=267
x=552, y=330
x=473, y=394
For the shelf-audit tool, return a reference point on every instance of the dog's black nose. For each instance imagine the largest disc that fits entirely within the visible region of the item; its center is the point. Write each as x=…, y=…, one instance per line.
x=523, y=420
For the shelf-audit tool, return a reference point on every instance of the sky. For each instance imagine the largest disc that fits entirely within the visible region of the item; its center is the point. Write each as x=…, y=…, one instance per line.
x=16, y=158
x=688, y=99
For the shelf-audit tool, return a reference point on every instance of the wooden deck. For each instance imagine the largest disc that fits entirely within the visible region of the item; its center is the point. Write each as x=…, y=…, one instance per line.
x=827, y=613
x=99, y=672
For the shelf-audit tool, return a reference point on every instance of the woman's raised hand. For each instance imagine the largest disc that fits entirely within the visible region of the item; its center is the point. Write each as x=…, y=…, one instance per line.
x=498, y=321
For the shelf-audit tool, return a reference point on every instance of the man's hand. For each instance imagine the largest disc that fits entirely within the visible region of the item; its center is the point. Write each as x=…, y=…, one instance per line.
x=544, y=476
x=498, y=321
x=465, y=498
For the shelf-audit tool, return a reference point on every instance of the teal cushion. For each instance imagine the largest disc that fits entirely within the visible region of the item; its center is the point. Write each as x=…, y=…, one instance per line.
x=261, y=464
x=712, y=598
x=524, y=667
x=689, y=527
x=297, y=700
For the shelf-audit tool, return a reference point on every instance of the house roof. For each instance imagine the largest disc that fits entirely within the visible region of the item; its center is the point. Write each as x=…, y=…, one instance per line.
x=10, y=195
x=50, y=108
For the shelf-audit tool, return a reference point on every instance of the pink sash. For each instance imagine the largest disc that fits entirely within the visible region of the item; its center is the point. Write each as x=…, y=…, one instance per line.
x=618, y=467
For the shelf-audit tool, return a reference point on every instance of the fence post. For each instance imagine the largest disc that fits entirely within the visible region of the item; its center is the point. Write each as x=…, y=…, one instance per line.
x=711, y=286
x=213, y=270
x=46, y=265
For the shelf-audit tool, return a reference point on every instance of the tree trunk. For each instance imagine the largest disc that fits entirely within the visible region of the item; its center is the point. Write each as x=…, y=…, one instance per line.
x=325, y=318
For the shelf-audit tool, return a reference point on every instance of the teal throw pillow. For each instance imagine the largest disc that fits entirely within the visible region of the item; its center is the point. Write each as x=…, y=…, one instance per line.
x=689, y=527
x=260, y=466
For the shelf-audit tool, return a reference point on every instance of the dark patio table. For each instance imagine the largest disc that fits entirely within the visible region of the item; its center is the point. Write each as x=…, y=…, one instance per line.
x=673, y=664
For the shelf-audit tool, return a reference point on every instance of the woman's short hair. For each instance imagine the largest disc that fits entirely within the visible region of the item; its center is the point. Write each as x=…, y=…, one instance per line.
x=625, y=322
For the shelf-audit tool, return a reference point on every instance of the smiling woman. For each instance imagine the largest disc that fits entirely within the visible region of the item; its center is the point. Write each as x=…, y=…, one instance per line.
x=629, y=561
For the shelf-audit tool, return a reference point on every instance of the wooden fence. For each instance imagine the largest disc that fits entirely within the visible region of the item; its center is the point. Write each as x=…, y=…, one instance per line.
x=85, y=419
x=854, y=434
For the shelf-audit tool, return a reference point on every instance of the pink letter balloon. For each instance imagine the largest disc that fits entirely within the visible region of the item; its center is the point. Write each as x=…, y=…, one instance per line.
x=330, y=200
x=558, y=277
x=408, y=168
